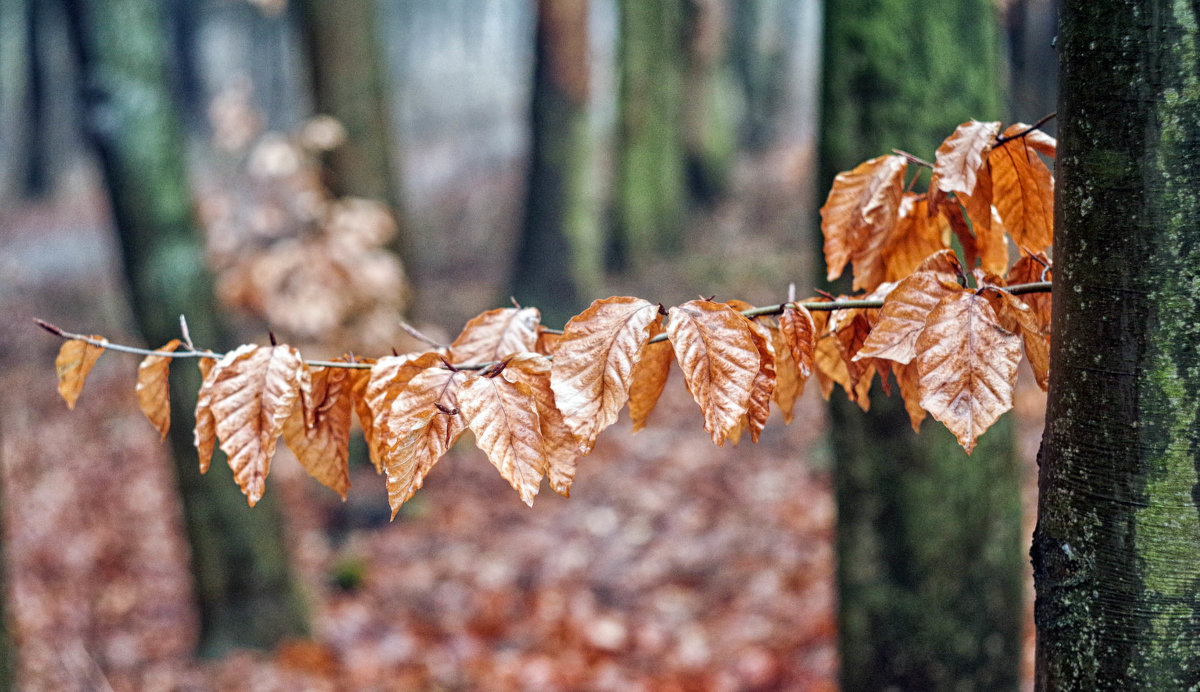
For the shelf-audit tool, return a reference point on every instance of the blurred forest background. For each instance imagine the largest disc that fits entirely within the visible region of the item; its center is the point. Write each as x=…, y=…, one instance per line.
x=328, y=170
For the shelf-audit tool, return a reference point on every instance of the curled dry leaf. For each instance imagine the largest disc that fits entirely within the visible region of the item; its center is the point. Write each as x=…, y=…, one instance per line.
x=1018, y=317
x=859, y=213
x=153, y=389
x=960, y=157
x=74, y=362
x=422, y=425
x=204, y=434
x=318, y=431
x=496, y=333
x=1037, y=140
x=902, y=318
x=799, y=332
x=789, y=383
x=1029, y=270
x=561, y=445
x=759, y=408
x=918, y=234
x=910, y=391
x=1024, y=192
x=253, y=391
x=966, y=365
x=714, y=346
x=850, y=328
x=593, y=364
x=388, y=376
x=649, y=376
x=503, y=416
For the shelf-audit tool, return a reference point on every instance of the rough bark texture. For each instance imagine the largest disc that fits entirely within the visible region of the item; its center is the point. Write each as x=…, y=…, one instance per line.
x=928, y=539
x=348, y=83
x=651, y=176
x=560, y=259
x=244, y=585
x=1117, y=548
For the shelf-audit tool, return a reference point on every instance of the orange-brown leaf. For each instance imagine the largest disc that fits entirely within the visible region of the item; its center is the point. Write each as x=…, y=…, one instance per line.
x=503, y=416
x=593, y=364
x=318, y=431
x=1028, y=270
x=561, y=445
x=962, y=231
x=962, y=154
x=423, y=423
x=902, y=318
x=799, y=332
x=859, y=213
x=763, y=388
x=204, y=435
x=1037, y=140
x=1018, y=317
x=495, y=334
x=789, y=383
x=74, y=362
x=851, y=328
x=944, y=263
x=649, y=377
x=910, y=391
x=253, y=391
x=966, y=365
x=1023, y=192
x=387, y=379
x=715, y=348
x=153, y=389
x=918, y=235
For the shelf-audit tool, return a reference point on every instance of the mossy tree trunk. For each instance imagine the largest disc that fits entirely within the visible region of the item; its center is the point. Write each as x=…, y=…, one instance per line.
x=560, y=257
x=651, y=186
x=349, y=84
x=244, y=584
x=1117, y=547
x=928, y=539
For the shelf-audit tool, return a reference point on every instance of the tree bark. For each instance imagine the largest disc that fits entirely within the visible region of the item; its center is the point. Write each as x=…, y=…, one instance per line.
x=651, y=170
x=928, y=540
x=560, y=257
x=244, y=585
x=1116, y=551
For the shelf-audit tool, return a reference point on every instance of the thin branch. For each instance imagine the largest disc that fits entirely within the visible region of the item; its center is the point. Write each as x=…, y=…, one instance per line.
x=420, y=336
x=1036, y=126
x=912, y=158
x=811, y=305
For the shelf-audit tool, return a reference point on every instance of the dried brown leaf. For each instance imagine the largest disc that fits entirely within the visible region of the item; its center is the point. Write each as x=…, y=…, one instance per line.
x=902, y=318
x=388, y=376
x=1024, y=192
x=423, y=423
x=918, y=235
x=496, y=333
x=789, y=383
x=799, y=332
x=960, y=157
x=318, y=431
x=204, y=435
x=503, y=416
x=851, y=328
x=74, y=362
x=1037, y=140
x=649, y=376
x=153, y=389
x=859, y=213
x=962, y=231
x=715, y=348
x=1028, y=270
x=253, y=391
x=593, y=364
x=910, y=391
x=966, y=365
x=1018, y=317
x=561, y=445
x=763, y=389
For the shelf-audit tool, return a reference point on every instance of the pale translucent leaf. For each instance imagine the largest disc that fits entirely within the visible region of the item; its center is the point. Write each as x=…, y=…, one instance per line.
x=962, y=154
x=561, y=445
x=503, y=416
x=593, y=363
x=153, y=389
x=714, y=346
x=74, y=362
x=422, y=425
x=496, y=333
x=966, y=365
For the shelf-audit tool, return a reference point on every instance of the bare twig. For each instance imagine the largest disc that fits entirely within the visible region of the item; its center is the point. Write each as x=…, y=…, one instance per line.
x=1017, y=135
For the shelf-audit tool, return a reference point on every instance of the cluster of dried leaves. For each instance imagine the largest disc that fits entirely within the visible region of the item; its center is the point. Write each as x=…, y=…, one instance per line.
x=535, y=399
x=278, y=239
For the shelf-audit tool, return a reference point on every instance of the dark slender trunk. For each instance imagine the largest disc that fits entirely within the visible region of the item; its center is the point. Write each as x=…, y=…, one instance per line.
x=244, y=585
x=1116, y=551
x=928, y=539
x=560, y=254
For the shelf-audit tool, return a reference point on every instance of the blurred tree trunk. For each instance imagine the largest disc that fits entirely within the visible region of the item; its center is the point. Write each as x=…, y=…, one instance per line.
x=651, y=187
x=1116, y=552
x=710, y=110
x=245, y=589
x=8, y=648
x=928, y=540
x=560, y=259
x=349, y=84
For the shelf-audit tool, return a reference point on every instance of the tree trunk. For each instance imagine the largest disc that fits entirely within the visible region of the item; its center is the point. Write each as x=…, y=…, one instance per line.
x=1116, y=551
x=560, y=258
x=349, y=84
x=651, y=171
x=245, y=589
x=928, y=540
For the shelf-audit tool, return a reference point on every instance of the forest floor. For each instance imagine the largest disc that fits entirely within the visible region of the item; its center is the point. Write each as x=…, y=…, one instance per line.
x=675, y=565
